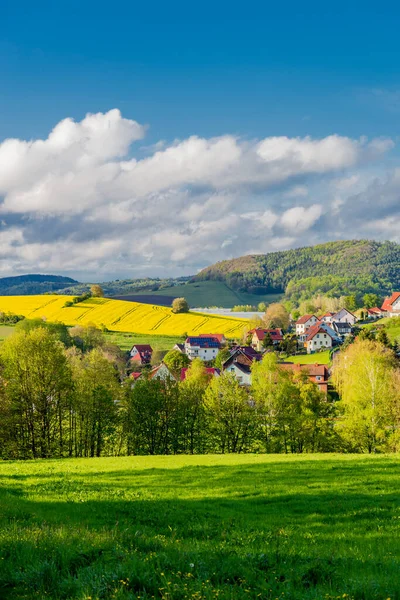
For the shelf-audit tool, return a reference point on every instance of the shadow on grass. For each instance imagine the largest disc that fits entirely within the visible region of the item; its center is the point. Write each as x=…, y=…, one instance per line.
x=307, y=529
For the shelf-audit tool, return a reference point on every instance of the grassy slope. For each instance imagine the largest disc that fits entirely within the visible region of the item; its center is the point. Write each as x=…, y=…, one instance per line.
x=393, y=332
x=322, y=358
x=126, y=340
x=5, y=332
x=118, y=315
x=228, y=527
x=213, y=293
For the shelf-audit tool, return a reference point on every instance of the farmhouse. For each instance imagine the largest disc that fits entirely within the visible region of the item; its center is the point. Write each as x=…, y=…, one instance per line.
x=205, y=348
x=258, y=336
x=317, y=339
x=141, y=354
x=304, y=323
x=391, y=306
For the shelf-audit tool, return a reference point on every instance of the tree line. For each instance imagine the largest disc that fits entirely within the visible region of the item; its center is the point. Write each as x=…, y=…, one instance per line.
x=63, y=393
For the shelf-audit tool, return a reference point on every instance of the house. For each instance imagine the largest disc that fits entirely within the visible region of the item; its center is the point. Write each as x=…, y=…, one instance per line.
x=391, y=306
x=305, y=322
x=318, y=374
x=344, y=316
x=141, y=354
x=258, y=336
x=161, y=372
x=239, y=363
x=205, y=348
x=327, y=318
x=317, y=339
x=375, y=313
x=342, y=329
x=211, y=372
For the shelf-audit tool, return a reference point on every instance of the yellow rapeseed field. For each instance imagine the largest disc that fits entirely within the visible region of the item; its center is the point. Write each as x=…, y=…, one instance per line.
x=119, y=315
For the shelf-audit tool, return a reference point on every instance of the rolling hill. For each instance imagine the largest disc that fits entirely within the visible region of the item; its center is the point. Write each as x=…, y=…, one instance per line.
x=33, y=284
x=334, y=268
x=118, y=315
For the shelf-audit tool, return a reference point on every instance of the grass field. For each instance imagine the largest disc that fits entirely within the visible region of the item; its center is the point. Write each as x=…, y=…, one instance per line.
x=214, y=293
x=322, y=358
x=118, y=315
x=201, y=527
x=393, y=332
x=126, y=340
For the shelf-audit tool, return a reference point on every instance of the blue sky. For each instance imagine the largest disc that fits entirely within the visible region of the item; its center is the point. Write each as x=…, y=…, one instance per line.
x=251, y=71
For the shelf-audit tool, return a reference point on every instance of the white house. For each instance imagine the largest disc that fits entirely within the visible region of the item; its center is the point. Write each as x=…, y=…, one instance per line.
x=202, y=347
x=344, y=316
x=305, y=322
x=242, y=372
x=318, y=339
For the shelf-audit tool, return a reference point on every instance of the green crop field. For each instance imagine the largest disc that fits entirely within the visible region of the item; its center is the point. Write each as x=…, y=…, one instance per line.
x=213, y=293
x=201, y=527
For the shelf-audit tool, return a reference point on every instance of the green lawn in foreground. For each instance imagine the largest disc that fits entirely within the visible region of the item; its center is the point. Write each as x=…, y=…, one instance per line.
x=322, y=358
x=230, y=527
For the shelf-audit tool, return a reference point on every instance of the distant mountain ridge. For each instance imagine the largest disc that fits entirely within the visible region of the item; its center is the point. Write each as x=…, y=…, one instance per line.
x=335, y=268
x=32, y=284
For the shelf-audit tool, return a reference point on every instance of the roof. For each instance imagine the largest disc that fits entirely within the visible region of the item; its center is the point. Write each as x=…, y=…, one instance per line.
x=155, y=370
x=315, y=370
x=304, y=319
x=340, y=325
x=142, y=347
x=374, y=310
x=276, y=334
x=203, y=342
x=218, y=336
x=243, y=368
x=387, y=303
x=211, y=371
x=347, y=310
x=247, y=350
x=135, y=375
x=327, y=314
x=312, y=332
x=180, y=347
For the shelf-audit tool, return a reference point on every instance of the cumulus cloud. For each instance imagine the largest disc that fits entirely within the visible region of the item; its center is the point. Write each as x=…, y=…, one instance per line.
x=78, y=201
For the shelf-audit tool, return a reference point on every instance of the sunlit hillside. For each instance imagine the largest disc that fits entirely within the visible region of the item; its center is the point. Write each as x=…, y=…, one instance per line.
x=119, y=315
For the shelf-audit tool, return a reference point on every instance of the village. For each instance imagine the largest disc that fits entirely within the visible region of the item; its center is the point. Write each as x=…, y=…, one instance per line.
x=308, y=335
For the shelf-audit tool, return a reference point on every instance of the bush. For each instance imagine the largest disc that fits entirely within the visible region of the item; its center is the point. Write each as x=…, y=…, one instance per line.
x=180, y=305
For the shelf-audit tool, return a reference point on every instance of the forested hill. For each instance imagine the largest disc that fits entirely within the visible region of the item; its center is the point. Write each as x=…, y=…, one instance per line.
x=33, y=284
x=334, y=268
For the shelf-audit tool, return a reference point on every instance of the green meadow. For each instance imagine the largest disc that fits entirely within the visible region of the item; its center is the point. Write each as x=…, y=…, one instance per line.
x=176, y=527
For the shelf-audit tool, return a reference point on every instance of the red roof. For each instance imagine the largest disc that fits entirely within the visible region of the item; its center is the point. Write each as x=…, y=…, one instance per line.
x=211, y=371
x=304, y=319
x=276, y=334
x=135, y=375
x=375, y=310
x=387, y=303
x=312, y=332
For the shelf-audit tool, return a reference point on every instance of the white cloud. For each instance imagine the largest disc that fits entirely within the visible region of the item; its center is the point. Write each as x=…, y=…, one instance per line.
x=300, y=218
x=77, y=201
